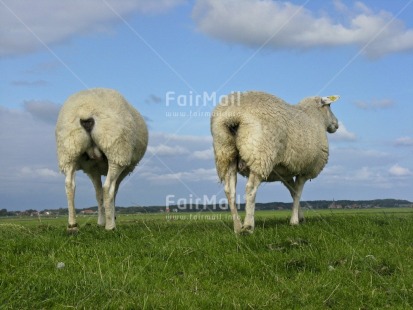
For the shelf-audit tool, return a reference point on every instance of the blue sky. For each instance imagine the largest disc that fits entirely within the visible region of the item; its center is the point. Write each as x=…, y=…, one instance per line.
x=172, y=58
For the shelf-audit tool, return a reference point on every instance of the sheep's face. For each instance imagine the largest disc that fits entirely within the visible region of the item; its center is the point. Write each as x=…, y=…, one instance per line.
x=330, y=119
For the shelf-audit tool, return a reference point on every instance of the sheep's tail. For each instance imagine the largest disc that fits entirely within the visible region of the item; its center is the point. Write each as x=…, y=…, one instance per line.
x=88, y=124
x=224, y=131
x=92, y=151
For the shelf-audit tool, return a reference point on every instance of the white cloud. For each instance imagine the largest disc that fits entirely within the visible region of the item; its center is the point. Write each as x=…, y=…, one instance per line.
x=176, y=167
x=185, y=177
x=356, y=167
x=363, y=174
x=282, y=24
x=203, y=155
x=166, y=150
x=342, y=134
x=43, y=109
x=29, y=172
x=357, y=176
x=28, y=145
x=404, y=141
x=340, y=6
x=358, y=157
x=204, y=174
x=399, y=171
x=26, y=26
x=375, y=104
x=181, y=138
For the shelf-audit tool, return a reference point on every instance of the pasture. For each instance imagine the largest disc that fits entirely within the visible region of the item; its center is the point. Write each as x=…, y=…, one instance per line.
x=338, y=260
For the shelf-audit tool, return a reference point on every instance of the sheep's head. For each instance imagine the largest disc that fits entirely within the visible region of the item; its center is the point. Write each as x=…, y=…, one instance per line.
x=331, y=120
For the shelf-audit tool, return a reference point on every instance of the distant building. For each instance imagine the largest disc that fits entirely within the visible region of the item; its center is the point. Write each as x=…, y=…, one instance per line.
x=87, y=212
x=334, y=205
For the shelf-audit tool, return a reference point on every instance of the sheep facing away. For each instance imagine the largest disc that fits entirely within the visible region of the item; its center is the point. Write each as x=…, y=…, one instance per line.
x=99, y=132
x=266, y=139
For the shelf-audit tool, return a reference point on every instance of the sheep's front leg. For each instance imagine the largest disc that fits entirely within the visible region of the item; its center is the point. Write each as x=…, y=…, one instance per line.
x=297, y=214
x=70, y=186
x=250, y=192
x=109, y=193
x=97, y=183
x=230, y=191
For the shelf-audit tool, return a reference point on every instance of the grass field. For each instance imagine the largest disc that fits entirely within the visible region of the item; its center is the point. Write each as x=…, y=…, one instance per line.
x=338, y=260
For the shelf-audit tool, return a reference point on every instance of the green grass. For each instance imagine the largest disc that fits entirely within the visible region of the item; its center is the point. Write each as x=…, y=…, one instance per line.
x=337, y=260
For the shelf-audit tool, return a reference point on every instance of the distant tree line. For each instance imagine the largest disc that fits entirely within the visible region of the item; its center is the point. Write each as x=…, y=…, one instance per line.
x=4, y=212
x=315, y=204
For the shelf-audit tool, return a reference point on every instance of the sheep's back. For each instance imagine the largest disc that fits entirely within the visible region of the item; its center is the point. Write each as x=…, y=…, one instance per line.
x=273, y=136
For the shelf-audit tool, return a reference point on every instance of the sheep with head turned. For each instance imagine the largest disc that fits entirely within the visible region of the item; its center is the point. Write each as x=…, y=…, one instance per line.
x=99, y=132
x=266, y=139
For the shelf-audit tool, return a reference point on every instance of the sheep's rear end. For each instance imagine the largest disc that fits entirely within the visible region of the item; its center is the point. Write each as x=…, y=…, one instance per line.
x=99, y=132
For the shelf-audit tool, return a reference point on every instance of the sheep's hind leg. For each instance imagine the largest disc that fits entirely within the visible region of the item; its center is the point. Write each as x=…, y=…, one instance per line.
x=250, y=192
x=296, y=192
x=109, y=193
x=120, y=179
x=97, y=183
x=70, y=186
x=230, y=191
x=290, y=184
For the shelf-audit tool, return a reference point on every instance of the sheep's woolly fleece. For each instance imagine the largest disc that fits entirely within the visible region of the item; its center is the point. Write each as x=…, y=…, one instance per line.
x=119, y=132
x=274, y=139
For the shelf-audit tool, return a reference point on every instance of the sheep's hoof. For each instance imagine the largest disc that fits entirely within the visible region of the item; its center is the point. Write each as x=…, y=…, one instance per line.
x=109, y=228
x=247, y=230
x=294, y=223
x=72, y=229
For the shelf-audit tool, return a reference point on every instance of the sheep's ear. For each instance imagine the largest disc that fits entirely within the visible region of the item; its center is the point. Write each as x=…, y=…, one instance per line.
x=329, y=99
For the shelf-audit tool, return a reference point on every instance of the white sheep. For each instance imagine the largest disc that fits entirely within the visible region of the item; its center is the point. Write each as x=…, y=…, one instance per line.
x=99, y=132
x=266, y=139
